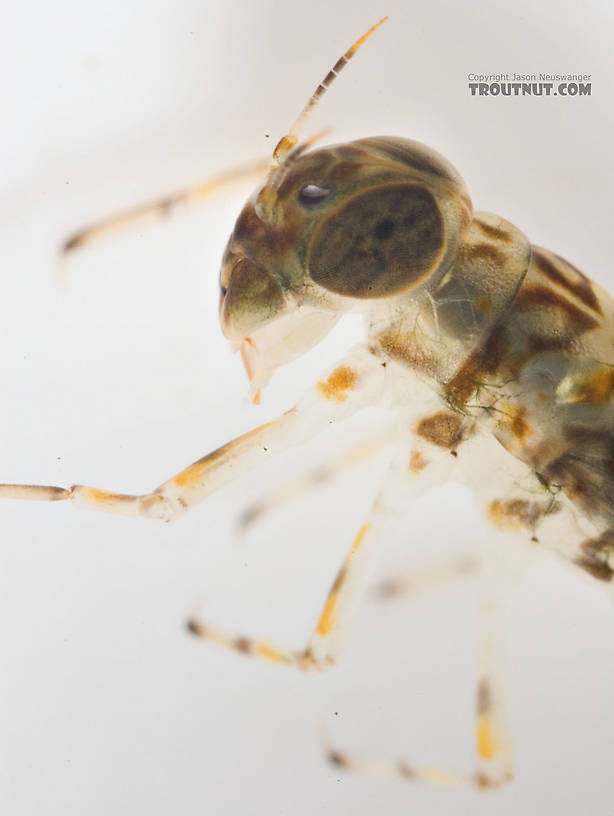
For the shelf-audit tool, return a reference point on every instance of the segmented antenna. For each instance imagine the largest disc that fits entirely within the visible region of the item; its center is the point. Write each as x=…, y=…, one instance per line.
x=290, y=140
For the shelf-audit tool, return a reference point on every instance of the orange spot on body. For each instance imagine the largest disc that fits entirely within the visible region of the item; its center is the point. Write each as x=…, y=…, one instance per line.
x=417, y=462
x=340, y=381
x=515, y=422
x=485, y=739
x=514, y=514
x=520, y=429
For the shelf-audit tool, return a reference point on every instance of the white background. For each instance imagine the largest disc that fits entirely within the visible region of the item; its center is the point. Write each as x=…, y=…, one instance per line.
x=122, y=377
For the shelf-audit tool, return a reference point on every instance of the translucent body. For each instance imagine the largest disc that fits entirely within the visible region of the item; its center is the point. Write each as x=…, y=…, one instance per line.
x=509, y=335
x=492, y=356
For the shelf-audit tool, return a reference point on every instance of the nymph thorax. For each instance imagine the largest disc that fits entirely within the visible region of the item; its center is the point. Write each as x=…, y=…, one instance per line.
x=521, y=340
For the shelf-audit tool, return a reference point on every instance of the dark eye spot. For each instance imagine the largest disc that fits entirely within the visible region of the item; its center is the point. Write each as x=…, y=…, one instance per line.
x=311, y=195
x=223, y=289
x=384, y=229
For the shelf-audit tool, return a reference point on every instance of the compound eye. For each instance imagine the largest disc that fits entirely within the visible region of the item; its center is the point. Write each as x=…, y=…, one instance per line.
x=311, y=195
x=383, y=241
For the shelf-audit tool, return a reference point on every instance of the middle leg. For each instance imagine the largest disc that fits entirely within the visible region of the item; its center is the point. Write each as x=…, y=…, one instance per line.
x=402, y=482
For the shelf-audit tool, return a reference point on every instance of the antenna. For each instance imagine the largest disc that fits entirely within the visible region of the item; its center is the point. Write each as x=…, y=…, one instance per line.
x=287, y=142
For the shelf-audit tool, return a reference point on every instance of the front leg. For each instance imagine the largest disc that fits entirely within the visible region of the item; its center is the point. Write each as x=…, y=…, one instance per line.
x=356, y=382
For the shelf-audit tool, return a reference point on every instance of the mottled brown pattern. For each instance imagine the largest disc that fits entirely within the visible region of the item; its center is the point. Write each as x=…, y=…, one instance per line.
x=598, y=569
x=247, y=226
x=539, y=297
x=495, y=233
x=499, y=352
x=514, y=514
x=467, y=203
x=440, y=429
x=383, y=241
x=419, y=158
x=484, y=252
x=478, y=367
x=595, y=388
x=464, y=383
x=339, y=163
x=586, y=472
x=596, y=553
x=417, y=462
x=554, y=268
x=484, y=305
x=518, y=425
x=341, y=172
x=265, y=241
x=406, y=349
x=540, y=319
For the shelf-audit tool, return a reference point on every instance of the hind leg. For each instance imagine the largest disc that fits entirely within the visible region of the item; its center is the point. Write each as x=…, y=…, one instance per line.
x=493, y=764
